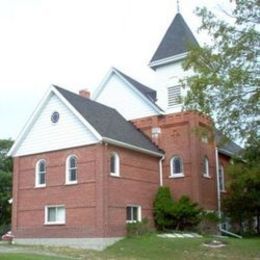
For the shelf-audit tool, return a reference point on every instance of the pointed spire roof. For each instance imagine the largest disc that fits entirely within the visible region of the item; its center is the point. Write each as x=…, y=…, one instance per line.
x=174, y=43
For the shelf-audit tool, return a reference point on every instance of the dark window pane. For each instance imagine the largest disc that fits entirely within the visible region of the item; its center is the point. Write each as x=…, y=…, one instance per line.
x=135, y=213
x=177, y=165
x=113, y=164
x=51, y=214
x=73, y=174
x=42, y=166
x=73, y=162
x=42, y=178
x=128, y=214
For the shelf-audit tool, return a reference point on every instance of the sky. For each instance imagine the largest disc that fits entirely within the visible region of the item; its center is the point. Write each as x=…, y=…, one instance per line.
x=73, y=44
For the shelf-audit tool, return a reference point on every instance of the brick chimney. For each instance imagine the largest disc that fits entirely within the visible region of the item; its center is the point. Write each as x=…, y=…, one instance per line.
x=84, y=93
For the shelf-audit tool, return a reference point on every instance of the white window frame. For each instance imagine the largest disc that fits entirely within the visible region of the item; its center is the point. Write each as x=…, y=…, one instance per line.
x=178, y=174
x=68, y=169
x=61, y=222
x=37, y=174
x=206, y=167
x=117, y=164
x=221, y=178
x=139, y=213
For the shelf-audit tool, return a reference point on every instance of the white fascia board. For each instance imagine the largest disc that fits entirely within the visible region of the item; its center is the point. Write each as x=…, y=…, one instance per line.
x=168, y=60
x=101, y=86
x=138, y=93
x=30, y=121
x=131, y=147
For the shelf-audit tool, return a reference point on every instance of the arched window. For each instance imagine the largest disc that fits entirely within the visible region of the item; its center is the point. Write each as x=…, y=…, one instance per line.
x=71, y=170
x=176, y=167
x=221, y=178
x=115, y=164
x=40, y=174
x=205, y=169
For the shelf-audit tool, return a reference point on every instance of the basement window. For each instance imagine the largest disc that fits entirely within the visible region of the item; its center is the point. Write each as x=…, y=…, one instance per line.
x=133, y=214
x=54, y=215
x=174, y=95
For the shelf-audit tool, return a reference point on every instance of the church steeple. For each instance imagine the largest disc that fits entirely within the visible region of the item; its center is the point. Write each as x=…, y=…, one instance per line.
x=175, y=42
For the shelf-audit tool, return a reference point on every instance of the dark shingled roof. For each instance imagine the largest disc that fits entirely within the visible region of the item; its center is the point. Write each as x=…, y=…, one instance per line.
x=146, y=91
x=108, y=122
x=227, y=147
x=176, y=40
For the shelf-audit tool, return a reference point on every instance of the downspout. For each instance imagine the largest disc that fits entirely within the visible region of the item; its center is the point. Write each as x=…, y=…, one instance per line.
x=219, y=200
x=161, y=171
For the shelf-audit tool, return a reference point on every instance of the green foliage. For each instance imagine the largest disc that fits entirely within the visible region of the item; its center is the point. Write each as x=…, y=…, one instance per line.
x=226, y=83
x=5, y=183
x=163, y=207
x=186, y=214
x=138, y=228
x=180, y=215
x=242, y=202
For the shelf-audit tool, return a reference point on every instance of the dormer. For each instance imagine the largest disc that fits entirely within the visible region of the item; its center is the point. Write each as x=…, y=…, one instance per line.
x=166, y=62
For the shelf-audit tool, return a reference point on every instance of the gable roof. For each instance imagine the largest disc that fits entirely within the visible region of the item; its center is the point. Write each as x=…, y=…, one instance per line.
x=228, y=148
x=146, y=91
x=175, y=41
x=110, y=124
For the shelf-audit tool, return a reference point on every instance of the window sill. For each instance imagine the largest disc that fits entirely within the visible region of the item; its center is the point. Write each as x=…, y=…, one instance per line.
x=176, y=176
x=114, y=175
x=223, y=191
x=40, y=186
x=206, y=176
x=55, y=224
x=132, y=221
x=71, y=183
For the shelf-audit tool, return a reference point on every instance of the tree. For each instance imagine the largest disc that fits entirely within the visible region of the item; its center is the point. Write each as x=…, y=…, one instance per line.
x=225, y=84
x=5, y=183
x=242, y=201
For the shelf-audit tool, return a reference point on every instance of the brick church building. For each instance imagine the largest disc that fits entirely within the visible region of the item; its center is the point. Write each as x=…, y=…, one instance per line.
x=85, y=165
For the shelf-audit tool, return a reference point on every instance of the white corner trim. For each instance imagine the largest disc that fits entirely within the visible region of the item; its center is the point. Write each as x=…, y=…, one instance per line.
x=131, y=147
x=174, y=58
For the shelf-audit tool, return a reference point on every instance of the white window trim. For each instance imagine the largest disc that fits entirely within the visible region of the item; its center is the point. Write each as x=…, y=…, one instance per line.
x=46, y=222
x=37, y=184
x=179, y=174
x=67, y=171
x=206, y=174
x=139, y=213
x=117, y=165
x=222, y=173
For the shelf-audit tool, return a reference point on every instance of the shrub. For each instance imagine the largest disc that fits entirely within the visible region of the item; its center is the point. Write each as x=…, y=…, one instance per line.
x=186, y=214
x=163, y=207
x=180, y=215
x=138, y=228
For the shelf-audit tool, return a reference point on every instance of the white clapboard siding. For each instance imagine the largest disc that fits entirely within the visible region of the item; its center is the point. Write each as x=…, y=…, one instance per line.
x=46, y=136
x=117, y=94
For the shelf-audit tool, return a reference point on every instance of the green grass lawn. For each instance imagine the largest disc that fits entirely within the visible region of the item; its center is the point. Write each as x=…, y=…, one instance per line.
x=153, y=247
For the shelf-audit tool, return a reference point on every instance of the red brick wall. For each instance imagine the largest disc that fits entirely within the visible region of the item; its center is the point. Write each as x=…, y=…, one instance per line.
x=137, y=185
x=80, y=200
x=96, y=206
x=178, y=137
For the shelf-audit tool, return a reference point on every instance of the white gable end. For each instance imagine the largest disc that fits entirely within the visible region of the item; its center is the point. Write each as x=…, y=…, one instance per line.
x=44, y=135
x=126, y=100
